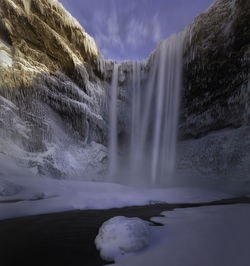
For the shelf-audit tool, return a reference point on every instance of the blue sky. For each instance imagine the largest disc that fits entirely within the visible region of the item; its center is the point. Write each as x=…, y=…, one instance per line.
x=131, y=29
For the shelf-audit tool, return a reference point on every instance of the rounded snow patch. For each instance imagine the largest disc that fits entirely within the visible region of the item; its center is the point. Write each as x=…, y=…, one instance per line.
x=9, y=189
x=121, y=235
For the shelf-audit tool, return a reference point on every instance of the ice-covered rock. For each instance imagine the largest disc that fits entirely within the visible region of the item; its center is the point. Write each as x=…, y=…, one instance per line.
x=53, y=90
x=121, y=235
x=220, y=158
x=216, y=70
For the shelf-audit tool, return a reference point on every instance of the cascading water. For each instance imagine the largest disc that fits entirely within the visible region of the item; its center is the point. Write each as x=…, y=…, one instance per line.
x=154, y=113
x=154, y=116
x=113, y=160
x=135, y=114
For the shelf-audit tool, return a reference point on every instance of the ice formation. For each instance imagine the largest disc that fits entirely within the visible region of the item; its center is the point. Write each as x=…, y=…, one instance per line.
x=121, y=235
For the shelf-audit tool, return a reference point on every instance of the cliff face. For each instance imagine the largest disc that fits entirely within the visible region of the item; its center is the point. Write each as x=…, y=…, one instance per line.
x=43, y=37
x=216, y=96
x=53, y=80
x=216, y=72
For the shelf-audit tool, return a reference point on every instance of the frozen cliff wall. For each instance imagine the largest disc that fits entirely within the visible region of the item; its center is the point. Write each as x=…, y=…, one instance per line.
x=215, y=107
x=216, y=72
x=53, y=87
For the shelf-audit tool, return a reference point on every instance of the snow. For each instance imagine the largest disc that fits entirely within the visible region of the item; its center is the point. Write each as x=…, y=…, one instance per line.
x=121, y=235
x=220, y=158
x=8, y=189
x=26, y=4
x=65, y=195
x=197, y=236
x=5, y=59
x=21, y=141
x=13, y=4
x=90, y=45
x=45, y=195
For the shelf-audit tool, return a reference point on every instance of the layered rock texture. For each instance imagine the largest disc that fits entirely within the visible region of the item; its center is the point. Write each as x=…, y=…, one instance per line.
x=216, y=72
x=54, y=86
x=216, y=97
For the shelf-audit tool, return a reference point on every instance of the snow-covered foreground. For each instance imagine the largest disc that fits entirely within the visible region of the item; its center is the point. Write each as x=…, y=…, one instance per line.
x=36, y=195
x=204, y=236
x=45, y=195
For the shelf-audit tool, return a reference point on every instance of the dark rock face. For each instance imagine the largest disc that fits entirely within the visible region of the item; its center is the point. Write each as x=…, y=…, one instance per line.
x=216, y=70
x=4, y=34
x=215, y=105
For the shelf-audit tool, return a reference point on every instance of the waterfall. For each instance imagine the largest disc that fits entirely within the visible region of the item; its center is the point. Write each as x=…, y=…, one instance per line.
x=135, y=113
x=113, y=160
x=154, y=113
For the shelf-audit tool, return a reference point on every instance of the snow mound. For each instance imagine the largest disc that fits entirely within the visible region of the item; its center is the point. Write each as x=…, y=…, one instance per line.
x=121, y=235
x=9, y=189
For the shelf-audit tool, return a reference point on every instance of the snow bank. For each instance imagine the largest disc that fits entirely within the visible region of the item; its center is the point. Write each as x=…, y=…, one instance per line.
x=8, y=189
x=198, y=236
x=45, y=195
x=65, y=195
x=121, y=235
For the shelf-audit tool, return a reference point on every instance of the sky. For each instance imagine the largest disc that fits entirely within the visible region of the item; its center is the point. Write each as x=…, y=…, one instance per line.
x=132, y=29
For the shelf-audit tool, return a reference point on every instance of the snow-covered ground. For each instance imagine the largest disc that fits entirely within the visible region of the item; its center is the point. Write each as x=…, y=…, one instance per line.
x=204, y=236
x=38, y=195
x=45, y=195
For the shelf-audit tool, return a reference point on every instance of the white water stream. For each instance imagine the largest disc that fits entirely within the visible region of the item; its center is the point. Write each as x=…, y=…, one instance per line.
x=113, y=160
x=154, y=115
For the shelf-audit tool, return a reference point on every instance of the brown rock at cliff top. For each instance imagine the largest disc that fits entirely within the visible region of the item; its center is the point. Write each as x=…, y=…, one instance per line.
x=41, y=36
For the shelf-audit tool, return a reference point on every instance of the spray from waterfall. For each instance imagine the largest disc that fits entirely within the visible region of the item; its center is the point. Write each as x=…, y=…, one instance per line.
x=113, y=153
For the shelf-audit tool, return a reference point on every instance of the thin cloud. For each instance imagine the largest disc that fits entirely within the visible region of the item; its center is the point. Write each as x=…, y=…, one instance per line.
x=137, y=32
x=157, y=29
x=132, y=29
x=107, y=31
x=113, y=35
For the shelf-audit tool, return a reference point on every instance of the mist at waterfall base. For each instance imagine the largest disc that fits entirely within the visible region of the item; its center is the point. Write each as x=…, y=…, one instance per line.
x=147, y=156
